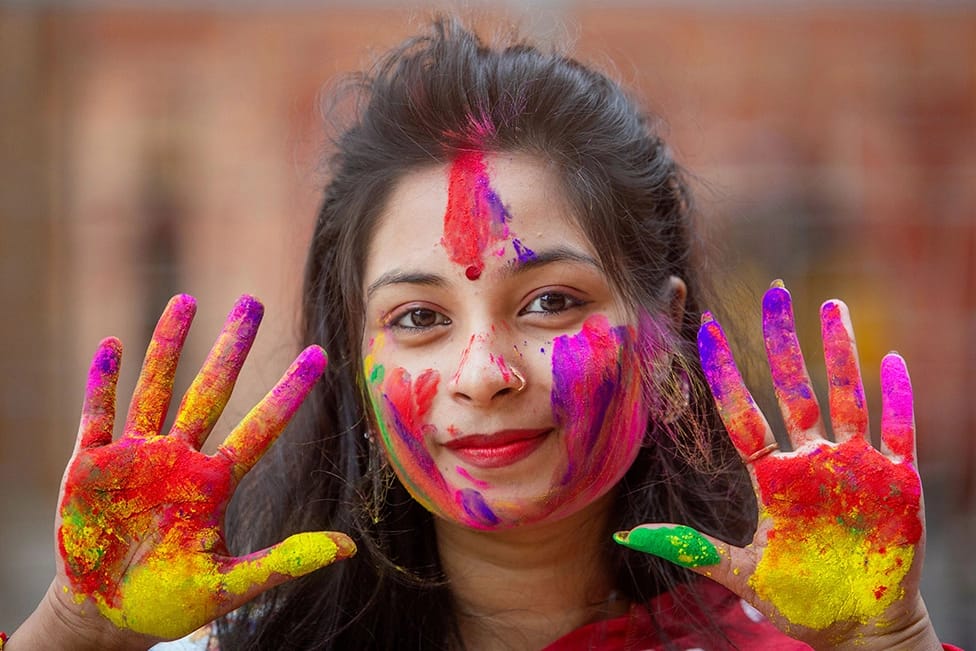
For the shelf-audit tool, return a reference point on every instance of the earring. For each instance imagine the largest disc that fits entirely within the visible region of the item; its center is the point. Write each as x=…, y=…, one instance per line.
x=379, y=476
x=675, y=397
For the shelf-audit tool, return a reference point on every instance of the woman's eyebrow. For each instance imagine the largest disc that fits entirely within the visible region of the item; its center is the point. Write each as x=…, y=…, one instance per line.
x=398, y=276
x=536, y=260
x=550, y=256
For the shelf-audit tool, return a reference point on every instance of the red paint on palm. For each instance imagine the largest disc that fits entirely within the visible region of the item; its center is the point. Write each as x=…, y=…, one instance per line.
x=122, y=500
x=851, y=484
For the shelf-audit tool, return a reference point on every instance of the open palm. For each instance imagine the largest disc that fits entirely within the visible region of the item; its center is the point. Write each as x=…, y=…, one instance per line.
x=837, y=552
x=140, y=525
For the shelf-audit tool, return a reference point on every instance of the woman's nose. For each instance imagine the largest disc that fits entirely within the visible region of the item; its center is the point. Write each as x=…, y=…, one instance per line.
x=483, y=373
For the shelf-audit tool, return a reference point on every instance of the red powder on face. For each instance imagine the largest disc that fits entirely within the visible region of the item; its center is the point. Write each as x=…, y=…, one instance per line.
x=465, y=224
x=475, y=218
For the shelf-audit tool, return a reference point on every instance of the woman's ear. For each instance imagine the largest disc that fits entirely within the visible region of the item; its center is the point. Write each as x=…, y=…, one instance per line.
x=677, y=294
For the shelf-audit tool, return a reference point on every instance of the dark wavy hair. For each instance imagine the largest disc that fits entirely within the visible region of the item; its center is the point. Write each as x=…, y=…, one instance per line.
x=434, y=96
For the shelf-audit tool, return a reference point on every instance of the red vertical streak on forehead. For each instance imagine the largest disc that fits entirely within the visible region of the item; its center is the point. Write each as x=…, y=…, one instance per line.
x=466, y=221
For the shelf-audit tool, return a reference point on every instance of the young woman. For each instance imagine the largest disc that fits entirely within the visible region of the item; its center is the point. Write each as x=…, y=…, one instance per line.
x=522, y=395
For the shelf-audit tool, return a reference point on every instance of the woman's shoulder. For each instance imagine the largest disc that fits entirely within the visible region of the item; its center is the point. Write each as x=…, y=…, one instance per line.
x=678, y=618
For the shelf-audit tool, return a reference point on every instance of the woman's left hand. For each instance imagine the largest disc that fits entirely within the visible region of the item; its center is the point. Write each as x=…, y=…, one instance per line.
x=837, y=555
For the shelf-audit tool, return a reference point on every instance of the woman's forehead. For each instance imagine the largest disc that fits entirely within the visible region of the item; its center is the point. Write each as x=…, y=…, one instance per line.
x=477, y=210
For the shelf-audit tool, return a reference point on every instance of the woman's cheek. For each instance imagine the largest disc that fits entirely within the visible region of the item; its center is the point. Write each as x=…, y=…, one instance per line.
x=400, y=405
x=596, y=402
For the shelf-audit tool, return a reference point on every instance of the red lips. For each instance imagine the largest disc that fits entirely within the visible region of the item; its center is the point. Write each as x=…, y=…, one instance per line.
x=499, y=449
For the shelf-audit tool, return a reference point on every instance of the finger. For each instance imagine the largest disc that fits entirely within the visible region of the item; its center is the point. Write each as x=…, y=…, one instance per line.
x=248, y=576
x=897, y=410
x=153, y=391
x=724, y=563
x=98, y=410
x=206, y=398
x=744, y=421
x=848, y=409
x=245, y=445
x=794, y=390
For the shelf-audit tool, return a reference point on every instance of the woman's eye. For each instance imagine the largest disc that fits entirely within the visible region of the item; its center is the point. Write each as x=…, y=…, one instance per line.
x=419, y=319
x=551, y=303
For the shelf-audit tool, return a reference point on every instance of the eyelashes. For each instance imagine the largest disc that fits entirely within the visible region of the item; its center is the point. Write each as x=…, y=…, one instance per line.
x=415, y=319
x=551, y=302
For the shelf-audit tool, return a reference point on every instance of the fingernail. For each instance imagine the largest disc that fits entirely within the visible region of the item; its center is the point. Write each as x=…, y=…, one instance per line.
x=679, y=544
x=347, y=547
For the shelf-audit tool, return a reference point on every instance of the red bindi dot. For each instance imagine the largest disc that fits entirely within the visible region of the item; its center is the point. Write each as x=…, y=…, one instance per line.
x=472, y=272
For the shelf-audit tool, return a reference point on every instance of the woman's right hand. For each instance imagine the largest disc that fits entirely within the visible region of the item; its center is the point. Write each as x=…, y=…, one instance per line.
x=140, y=530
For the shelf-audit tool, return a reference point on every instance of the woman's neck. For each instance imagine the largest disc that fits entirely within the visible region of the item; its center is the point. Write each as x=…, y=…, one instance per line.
x=526, y=587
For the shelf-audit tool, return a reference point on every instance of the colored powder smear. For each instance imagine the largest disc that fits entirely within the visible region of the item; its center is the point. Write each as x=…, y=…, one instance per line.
x=596, y=401
x=742, y=418
x=844, y=518
x=475, y=218
x=141, y=532
x=897, y=410
x=150, y=512
x=796, y=397
x=400, y=404
x=207, y=396
x=845, y=523
x=678, y=544
x=848, y=409
x=597, y=411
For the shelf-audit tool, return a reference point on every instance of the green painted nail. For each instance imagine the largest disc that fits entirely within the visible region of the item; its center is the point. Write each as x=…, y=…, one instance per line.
x=679, y=544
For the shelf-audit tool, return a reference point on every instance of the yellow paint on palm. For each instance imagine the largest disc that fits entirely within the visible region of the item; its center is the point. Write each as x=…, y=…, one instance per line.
x=155, y=601
x=173, y=591
x=830, y=574
x=296, y=556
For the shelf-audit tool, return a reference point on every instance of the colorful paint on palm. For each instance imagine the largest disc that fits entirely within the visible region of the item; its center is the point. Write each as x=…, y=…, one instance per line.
x=844, y=519
x=845, y=523
x=141, y=531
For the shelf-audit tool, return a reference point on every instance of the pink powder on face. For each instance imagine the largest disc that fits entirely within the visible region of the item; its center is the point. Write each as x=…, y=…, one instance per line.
x=467, y=475
x=597, y=402
x=503, y=367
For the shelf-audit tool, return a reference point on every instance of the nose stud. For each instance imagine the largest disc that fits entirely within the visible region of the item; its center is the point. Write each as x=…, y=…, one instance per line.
x=520, y=379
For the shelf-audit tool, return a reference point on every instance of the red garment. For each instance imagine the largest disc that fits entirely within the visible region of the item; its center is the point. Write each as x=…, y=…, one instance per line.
x=742, y=624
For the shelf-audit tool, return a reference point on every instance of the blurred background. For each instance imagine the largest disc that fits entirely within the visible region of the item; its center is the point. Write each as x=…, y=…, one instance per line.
x=155, y=148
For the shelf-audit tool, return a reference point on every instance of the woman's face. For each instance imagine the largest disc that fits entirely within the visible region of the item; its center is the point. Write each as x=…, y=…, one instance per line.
x=502, y=368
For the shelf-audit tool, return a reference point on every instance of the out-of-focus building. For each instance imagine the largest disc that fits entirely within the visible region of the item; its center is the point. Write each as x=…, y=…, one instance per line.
x=149, y=151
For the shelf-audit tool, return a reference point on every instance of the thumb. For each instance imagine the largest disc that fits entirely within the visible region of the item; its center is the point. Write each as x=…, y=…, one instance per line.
x=724, y=563
x=297, y=555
